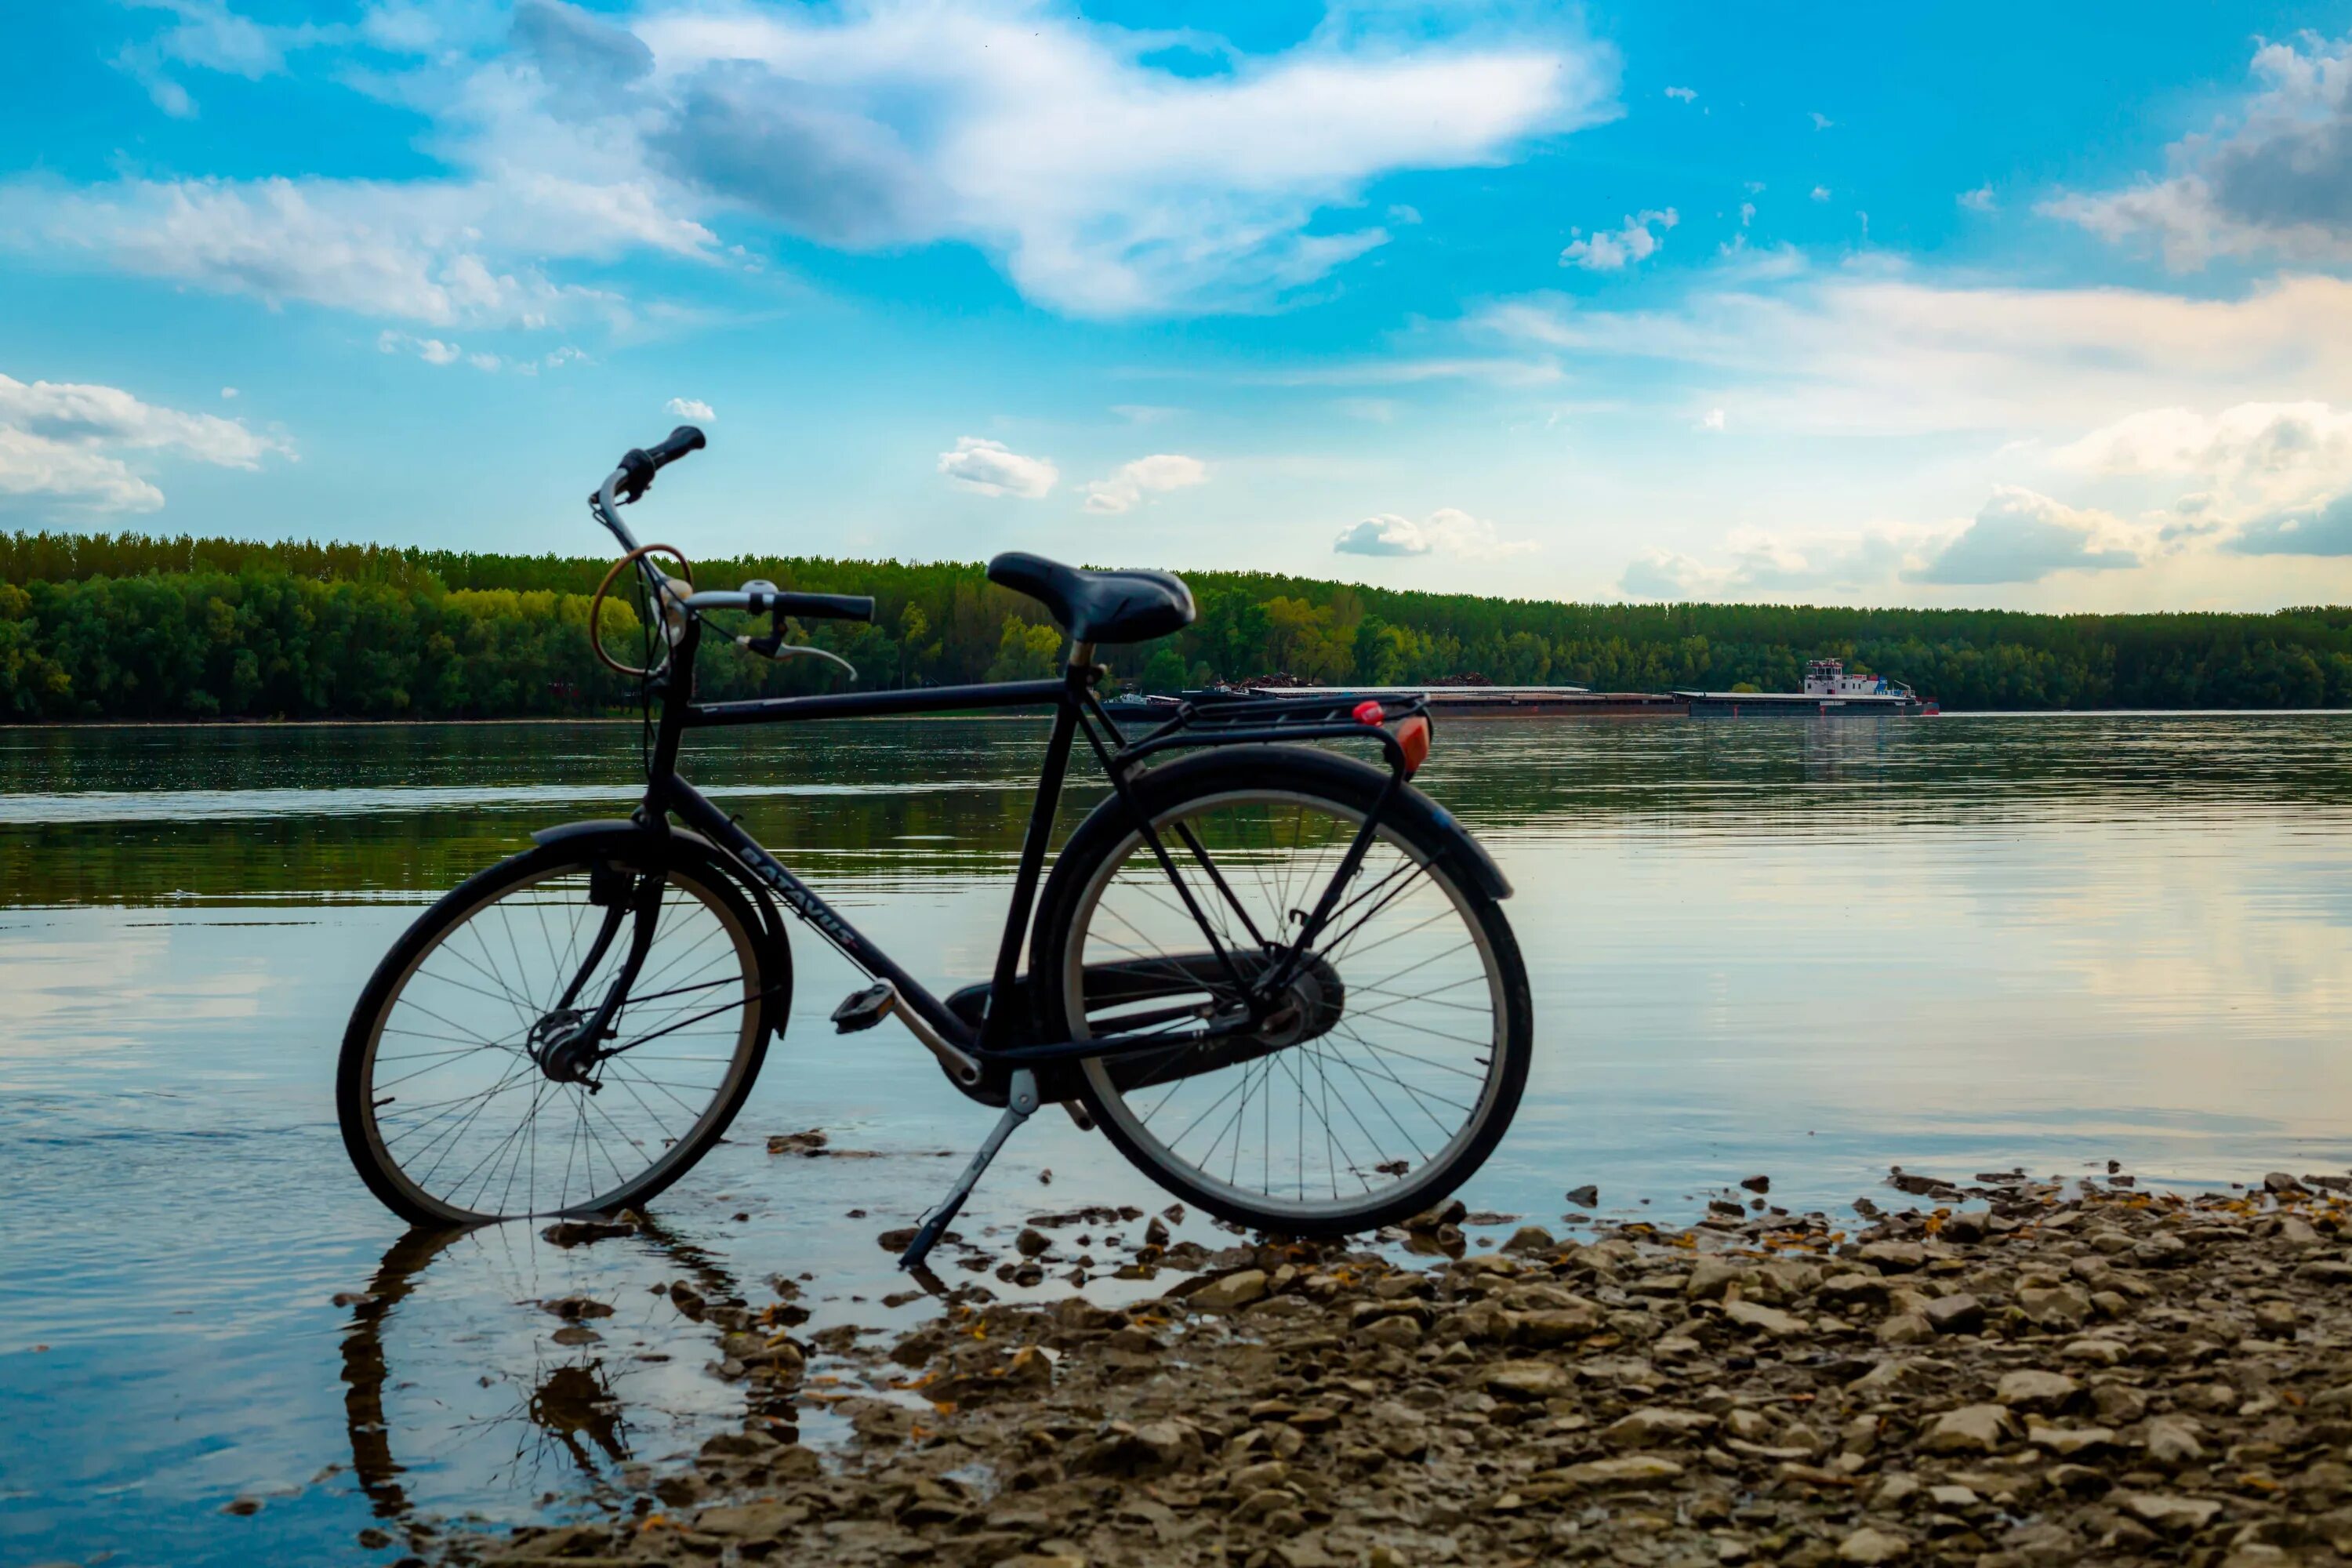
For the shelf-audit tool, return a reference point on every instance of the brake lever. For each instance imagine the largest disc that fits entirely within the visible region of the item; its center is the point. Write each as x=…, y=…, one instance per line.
x=774, y=648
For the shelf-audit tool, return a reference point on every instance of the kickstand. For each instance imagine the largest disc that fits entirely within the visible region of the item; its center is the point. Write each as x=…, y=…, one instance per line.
x=1020, y=1104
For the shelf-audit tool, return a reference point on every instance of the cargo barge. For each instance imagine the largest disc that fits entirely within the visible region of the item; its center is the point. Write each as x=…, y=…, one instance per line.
x=1495, y=701
x=1830, y=692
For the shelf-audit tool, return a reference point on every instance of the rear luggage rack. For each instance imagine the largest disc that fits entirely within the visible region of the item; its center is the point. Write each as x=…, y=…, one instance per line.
x=1220, y=720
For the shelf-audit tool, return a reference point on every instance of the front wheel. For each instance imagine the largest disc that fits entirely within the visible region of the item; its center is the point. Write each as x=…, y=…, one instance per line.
x=1397, y=1055
x=469, y=1089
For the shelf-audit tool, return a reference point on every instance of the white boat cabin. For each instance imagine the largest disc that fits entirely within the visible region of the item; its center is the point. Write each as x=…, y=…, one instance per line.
x=1827, y=677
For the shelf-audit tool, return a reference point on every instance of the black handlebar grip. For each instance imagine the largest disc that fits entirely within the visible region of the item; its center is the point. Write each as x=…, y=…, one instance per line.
x=640, y=464
x=825, y=606
x=676, y=444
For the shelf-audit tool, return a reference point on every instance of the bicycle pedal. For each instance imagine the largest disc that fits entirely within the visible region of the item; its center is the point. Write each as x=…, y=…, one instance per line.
x=863, y=1009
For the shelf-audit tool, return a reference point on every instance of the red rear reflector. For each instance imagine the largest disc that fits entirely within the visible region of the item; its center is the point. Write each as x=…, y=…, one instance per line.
x=1413, y=735
x=1369, y=713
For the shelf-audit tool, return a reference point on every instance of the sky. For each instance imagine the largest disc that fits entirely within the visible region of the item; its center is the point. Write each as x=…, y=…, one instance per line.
x=2041, y=306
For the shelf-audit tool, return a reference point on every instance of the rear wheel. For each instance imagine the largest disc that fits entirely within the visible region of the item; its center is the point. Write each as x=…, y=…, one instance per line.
x=467, y=1091
x=1401, y=1046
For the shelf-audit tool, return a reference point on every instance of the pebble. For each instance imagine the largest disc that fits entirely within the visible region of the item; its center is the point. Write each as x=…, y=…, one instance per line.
x=1970, y=1429
x=1230, y=1293
x=1870, y=1544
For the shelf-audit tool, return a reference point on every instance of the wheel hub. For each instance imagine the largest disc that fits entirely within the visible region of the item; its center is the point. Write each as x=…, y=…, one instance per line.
x=562, y=1048
x=1300, y=1010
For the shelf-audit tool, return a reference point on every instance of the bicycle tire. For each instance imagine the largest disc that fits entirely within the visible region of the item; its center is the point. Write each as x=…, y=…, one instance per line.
x=1346, y=791
x=759, y=959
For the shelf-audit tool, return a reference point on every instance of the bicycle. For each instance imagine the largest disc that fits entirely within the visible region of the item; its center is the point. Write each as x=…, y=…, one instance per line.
x=1277, y=977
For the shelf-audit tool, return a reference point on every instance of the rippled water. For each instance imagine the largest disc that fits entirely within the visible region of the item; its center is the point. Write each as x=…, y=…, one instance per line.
x=1809, y=949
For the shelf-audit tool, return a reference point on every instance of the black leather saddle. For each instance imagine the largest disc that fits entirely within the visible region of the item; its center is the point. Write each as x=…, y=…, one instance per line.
x=1099, y=606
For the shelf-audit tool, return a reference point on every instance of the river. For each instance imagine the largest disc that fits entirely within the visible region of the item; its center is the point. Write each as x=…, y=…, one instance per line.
x=1795, y=948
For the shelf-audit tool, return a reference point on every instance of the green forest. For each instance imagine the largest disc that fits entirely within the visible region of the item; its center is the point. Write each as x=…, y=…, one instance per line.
x=137, y=626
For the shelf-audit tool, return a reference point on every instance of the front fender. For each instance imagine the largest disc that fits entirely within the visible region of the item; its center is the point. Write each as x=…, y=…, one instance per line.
x=653, y=841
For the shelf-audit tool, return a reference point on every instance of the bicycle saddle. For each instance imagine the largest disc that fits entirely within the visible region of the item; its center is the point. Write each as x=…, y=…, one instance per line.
x=1099, y=606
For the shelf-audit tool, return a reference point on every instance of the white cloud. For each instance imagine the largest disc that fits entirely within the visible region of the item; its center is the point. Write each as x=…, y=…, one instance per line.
x=432, y=351
x=1402, y=216
x=2318, y=529
x=1446, y=532
x=1980, y=200
x=1768, y=565
x=427, y=252
x=2018, y=536
x=1609, y=251
x=1747, y=213
x=2022, y=536
x=1105, y=186
x=1873, y=351
x=1821, y=121
x=1127, y=485
x=2275, y=181
x=1711, y=420
x=60, y=445
x=206, y=35
x=1687, y=94
x=688, y=409
x=1821, y=193
x=2262, y=447
x=993, y=469
x=228, y=391
x=1144, y=413
x=1102, y=184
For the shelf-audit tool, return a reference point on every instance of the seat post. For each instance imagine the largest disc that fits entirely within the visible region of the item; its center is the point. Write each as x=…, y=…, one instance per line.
x=1081, y=655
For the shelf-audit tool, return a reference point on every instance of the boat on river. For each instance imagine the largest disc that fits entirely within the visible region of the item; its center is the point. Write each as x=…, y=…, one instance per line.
x=1830, y=692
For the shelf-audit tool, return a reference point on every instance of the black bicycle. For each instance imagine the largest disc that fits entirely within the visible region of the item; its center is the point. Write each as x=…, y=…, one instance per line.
x=1278, y=977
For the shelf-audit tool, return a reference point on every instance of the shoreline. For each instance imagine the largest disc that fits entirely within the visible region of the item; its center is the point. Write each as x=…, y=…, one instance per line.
x=2005, y=1373
x=62, y=725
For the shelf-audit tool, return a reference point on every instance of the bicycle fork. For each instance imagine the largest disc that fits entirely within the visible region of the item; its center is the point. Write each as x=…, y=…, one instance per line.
x=1020, y=1105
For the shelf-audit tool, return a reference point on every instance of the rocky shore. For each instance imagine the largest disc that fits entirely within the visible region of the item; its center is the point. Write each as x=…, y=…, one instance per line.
x=2005, y=1372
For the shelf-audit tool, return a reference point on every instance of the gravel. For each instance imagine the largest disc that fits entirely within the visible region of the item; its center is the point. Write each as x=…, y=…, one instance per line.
x=2113, y=1375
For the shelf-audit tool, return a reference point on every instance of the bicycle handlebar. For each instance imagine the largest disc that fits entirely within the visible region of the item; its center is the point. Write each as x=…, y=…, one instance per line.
x=807, y=606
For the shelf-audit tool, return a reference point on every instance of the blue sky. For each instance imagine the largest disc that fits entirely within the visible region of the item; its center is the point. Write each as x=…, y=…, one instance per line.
x=2047, y=307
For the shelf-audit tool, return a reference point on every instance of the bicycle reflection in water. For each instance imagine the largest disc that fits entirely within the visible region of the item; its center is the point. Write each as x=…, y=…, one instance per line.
x=499, y=1375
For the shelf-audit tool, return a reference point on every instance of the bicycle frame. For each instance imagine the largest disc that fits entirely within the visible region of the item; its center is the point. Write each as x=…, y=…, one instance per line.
x=996, y=1042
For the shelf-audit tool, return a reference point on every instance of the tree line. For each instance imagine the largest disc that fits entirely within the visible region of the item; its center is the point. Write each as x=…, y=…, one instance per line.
x=136, y=626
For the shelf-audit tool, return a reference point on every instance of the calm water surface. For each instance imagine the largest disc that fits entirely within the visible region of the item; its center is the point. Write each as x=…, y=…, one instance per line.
x=1802, y=948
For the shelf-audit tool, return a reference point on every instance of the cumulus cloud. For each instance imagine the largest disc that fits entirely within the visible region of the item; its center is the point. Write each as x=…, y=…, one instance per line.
x=1446, y=532
x=2249, y=443
x=1980, y=200
x=2276, y=180
x=61, y=445
x=688, y=409
x=1711, y=420
x=993, y=469
x=1105, y=186
x=1611, y=250
x=1687, y=94
x=2021, y=536
x=1763, y=564
x=1102, y=182
x=1129, y=483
